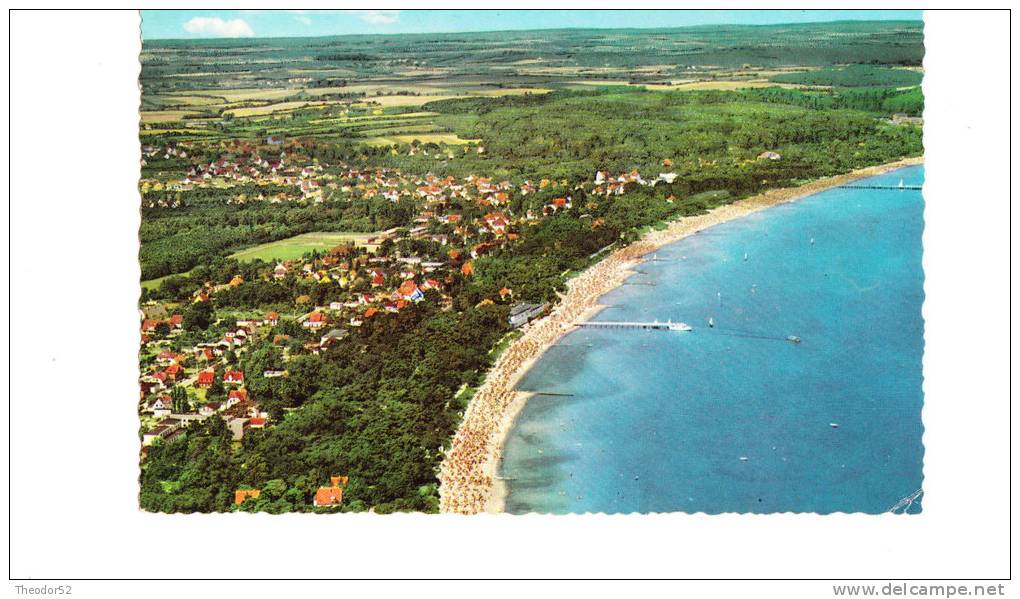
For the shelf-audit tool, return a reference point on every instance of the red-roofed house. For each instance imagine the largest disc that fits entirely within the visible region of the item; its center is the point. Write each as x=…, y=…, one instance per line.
x=205, y=378
x=409, y=291
x=496, y=222
x=333, y=495
x=315, y=320
x=233, y=376
x=242, y=495
x=272, y=318
x=174, y=372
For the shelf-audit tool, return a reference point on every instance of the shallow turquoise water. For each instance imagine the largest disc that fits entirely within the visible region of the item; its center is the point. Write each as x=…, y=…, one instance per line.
x=659, y=421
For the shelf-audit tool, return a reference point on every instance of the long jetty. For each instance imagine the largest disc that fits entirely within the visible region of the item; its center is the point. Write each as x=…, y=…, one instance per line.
x=606, y=324
x=891, y=187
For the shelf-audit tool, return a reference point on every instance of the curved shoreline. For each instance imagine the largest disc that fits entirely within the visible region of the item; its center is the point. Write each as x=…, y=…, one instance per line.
x=468, y=481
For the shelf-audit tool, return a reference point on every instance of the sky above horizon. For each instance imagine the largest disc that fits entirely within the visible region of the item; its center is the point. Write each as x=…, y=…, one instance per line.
x=198, y=24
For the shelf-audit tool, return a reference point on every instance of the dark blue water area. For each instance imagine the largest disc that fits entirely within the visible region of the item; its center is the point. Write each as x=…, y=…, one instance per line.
x=736, y=418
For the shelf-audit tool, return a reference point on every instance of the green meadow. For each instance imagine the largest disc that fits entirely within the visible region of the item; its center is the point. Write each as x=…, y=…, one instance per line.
x=299, y=245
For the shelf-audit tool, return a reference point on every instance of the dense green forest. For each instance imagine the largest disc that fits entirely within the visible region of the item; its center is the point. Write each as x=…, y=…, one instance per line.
x=571, y=134
x=174, y=240
x=854, y=75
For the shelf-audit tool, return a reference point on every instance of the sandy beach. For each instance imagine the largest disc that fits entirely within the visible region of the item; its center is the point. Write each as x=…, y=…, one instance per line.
x=468, y=481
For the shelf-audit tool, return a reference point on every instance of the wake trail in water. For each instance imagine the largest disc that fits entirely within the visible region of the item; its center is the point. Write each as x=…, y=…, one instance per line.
x=901, y=506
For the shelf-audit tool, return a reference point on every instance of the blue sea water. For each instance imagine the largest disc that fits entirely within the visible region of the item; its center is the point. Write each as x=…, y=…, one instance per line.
x=657, y=421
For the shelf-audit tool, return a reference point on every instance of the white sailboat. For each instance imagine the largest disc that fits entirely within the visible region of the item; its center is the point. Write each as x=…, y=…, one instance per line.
x=711, y=322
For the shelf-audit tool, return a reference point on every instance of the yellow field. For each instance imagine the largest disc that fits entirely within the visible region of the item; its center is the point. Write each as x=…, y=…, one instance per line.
x=271, y=108
x=240, y=95
x=190, y=130
x=191, y=100
x=164, y=116
x=407, y=100
x=367, y=119
x=428, y=72
x=438, y=138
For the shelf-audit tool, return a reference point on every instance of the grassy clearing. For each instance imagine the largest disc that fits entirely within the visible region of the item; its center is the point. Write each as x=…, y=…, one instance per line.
x=297, y=246
x=155, y=283
x=284, y=249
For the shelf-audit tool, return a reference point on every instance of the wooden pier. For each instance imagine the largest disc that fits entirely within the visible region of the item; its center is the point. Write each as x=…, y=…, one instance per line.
x=606, y=324
x=889, y=187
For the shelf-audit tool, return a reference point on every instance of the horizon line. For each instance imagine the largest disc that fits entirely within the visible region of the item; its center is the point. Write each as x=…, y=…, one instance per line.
x=701, y=26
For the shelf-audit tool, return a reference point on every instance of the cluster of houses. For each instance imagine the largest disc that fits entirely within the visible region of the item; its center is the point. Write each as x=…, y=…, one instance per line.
x=374, y=284
x=609, y=185
x=196, y=368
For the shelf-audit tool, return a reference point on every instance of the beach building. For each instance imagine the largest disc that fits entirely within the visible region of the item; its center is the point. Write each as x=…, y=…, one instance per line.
x=522, y=312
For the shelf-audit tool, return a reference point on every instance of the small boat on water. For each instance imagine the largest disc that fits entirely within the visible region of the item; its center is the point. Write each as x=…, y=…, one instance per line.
x=744, y=458
x=711, y=322
x=901, y=186
x=793, y=338
x=679, y=326
x=745, y=256
x=834, y=424
x=812, y=241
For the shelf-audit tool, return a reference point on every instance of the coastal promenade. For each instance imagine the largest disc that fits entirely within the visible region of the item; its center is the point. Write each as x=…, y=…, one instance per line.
x=467, y=477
